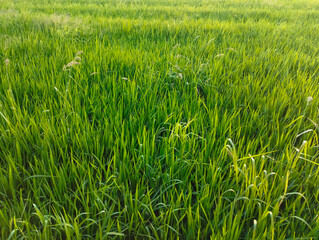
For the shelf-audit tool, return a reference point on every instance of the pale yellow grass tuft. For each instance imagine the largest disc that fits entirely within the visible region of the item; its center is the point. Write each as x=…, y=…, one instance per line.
x=70, y=64
x=74, y=62
x=309, y=100
x=78, y=53
x=7, y=62
x=231, y=49
x=219, y=55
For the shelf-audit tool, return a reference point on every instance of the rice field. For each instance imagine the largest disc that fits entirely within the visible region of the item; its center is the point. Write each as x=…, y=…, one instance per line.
x=159, y=119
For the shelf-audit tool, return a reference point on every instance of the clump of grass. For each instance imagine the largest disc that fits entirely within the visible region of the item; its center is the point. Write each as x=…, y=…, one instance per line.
x=188, y=121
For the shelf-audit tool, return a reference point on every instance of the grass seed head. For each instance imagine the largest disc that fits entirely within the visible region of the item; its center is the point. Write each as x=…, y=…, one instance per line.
x=7, y=62
x=219, y=55
x=309, y=100
x=72, y=64
x=78, y=53
x=231, y=49
x=177, y=45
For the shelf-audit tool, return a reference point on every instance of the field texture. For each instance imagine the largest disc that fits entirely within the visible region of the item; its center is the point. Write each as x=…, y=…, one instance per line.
x=159, y=119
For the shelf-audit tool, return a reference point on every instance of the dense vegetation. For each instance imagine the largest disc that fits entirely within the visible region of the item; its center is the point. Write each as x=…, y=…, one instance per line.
x=159, y=119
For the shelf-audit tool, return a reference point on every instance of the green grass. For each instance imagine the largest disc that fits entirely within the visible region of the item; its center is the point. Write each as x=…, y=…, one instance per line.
x=176, y=119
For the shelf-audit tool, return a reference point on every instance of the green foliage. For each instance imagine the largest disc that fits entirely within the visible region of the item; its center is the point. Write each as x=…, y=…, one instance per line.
x=149, y=119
